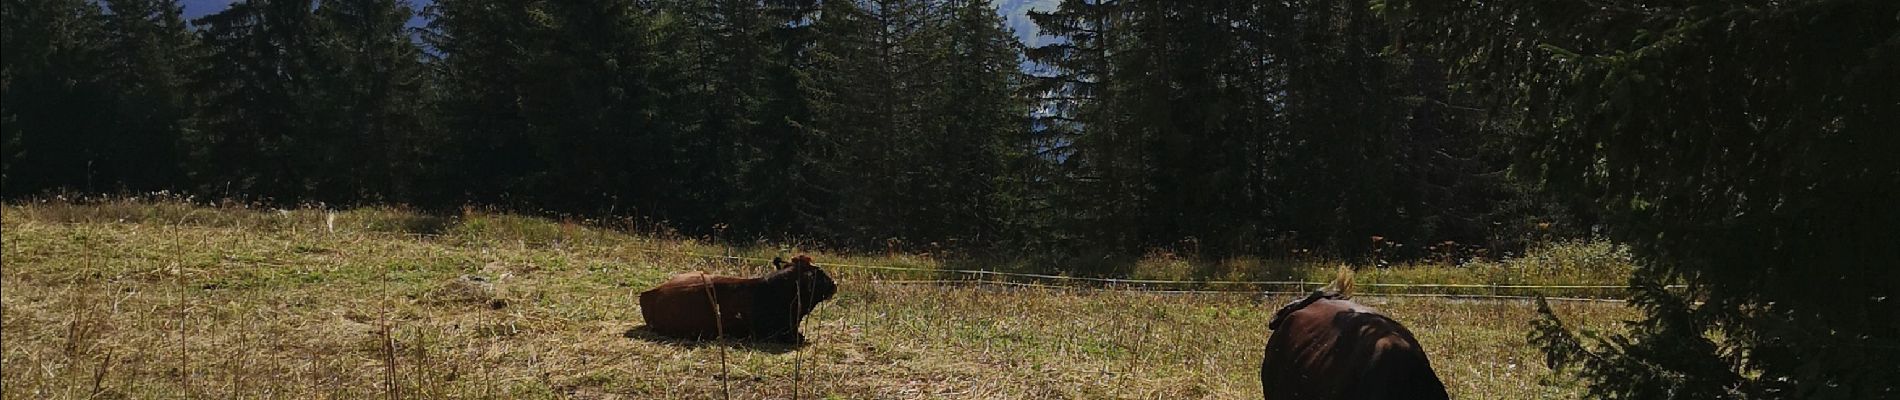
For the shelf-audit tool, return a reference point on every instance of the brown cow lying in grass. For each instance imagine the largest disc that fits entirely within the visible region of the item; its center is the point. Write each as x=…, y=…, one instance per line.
x=1328, y=347
x=697, y=305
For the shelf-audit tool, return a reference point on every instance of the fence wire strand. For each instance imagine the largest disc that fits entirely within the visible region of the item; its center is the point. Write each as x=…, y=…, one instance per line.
x=1122, y=281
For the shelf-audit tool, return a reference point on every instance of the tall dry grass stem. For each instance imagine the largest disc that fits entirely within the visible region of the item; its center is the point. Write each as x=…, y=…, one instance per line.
x=719, y=329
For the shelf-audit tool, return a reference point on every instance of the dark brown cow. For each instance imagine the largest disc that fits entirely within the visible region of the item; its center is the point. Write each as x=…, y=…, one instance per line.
x=697, y=305
x=1328, y=347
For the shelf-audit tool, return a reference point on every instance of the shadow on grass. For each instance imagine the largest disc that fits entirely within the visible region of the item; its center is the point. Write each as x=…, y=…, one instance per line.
x=644, y=333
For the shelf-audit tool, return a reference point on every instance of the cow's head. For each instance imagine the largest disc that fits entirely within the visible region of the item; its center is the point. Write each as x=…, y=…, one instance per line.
x=810, y=283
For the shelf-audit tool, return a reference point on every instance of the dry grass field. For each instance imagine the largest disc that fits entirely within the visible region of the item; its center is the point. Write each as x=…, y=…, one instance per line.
x=169, y=300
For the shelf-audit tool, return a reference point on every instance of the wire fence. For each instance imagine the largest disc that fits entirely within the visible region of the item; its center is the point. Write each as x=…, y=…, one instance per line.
x=951, y=282
x=1478, y=291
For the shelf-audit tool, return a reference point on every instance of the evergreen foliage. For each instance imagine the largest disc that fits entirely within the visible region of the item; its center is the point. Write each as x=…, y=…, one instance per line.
x=94, y=100
x=1219, y=129
x=1222, y=127
x=1744, y=148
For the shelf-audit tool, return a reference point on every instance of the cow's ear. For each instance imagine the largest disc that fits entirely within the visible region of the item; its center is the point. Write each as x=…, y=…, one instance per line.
x=802, y=262
x=778, y=262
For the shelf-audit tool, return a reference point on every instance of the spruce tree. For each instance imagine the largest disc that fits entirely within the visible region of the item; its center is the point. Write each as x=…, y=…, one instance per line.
x=1744, y=149
x=263, y=131
x=149, y=56
x=479, y=49
x=1091, y=199
x=373, y=84
x=974, y=165
x=56, y=103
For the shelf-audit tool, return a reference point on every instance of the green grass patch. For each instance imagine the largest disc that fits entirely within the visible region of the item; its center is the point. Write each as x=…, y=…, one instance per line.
x=128, y=300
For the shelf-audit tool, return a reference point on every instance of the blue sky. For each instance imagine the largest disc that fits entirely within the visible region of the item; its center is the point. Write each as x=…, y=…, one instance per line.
x=1016, y=11
x=200, y=8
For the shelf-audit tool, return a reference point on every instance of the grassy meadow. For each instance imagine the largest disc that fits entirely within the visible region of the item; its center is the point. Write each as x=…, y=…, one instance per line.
x=126, y=299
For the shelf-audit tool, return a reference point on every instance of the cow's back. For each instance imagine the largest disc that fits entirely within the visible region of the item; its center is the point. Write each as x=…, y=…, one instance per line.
x=1337, y=349
x=683, y=306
